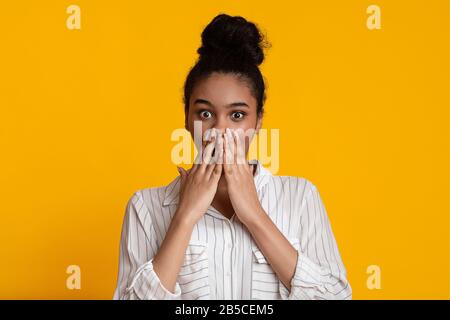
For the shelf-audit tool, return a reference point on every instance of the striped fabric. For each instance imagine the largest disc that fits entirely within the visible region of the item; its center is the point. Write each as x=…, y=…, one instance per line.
x=222, y=261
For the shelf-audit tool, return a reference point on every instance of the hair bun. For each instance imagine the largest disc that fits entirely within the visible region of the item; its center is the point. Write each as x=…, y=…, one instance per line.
x=232, y=36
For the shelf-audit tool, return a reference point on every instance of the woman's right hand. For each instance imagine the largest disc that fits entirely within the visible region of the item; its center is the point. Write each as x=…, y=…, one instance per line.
x=199, y=184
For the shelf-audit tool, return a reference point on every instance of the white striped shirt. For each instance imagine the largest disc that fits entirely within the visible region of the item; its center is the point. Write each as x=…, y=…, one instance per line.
x=222, y=260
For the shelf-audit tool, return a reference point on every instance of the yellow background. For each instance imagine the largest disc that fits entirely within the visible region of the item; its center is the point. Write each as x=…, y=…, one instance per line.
x=86, y=117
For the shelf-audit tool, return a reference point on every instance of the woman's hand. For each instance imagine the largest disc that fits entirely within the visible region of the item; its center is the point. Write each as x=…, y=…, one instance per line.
x=239, y=176
x=199, y=184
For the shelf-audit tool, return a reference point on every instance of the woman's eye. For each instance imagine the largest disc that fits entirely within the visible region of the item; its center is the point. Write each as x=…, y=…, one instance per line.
x=238, y=115
x=205, y=114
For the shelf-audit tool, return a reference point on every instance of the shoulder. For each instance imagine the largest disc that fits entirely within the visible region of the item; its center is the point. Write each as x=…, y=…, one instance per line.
x=150, y=197
x=144, y=209
x=298, y=187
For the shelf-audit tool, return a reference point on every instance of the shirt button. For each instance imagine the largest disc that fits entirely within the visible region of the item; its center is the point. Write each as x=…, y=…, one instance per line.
x=229, y=245
x=228, y=273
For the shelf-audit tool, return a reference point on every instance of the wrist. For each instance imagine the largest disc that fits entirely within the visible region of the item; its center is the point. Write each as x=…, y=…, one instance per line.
x=181, y=218
x=256, y=220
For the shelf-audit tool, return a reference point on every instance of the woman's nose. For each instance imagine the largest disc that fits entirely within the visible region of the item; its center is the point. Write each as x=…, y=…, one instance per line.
x=220, y=126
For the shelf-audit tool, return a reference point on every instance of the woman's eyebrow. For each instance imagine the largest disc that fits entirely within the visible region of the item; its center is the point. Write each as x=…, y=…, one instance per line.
x=203, y=101
x=231, y=105
x=237, y=104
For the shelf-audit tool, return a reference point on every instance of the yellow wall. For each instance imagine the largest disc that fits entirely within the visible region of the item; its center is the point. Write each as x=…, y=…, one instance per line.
x=86, y=117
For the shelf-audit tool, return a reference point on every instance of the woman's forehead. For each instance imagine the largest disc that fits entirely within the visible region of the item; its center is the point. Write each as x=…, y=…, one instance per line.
x=222, y=90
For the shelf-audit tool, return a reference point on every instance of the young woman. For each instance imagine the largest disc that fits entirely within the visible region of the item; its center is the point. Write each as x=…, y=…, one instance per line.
x=227, y=228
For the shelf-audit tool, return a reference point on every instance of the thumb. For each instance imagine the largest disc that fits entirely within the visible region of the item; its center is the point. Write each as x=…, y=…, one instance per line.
x=183, y=174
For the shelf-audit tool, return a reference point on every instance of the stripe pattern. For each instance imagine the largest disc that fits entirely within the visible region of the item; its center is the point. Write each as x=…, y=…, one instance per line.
x=222, y=261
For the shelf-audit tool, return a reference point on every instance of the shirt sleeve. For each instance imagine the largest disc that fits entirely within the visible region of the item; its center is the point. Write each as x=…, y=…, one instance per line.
x=319, y=273
x=136, y=279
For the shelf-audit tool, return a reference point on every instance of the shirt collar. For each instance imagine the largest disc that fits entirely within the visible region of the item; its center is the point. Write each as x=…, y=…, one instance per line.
x=261, y=178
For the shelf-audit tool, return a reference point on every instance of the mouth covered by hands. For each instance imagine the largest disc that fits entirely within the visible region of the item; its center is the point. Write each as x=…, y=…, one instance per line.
x=230, y=152
x=228, y=147
x=224, y=155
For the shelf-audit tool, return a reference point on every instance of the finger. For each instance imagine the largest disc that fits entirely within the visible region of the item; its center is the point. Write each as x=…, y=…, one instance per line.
x=232, y=145
x=201, y=151
x=207, y=155
x=198, y=156
x=218, y=155
x=239, y=155
x=183, y=175
x=217, y=172
x=193, y=168
x=228, y=157
x=207, y=135
x=221, y=150
x=218, y=140
x=214, y=135
x=211, y=161
x=229, y=147
x=218, y=168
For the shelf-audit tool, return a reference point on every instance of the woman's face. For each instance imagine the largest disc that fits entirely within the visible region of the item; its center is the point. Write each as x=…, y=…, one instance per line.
x=223, y=101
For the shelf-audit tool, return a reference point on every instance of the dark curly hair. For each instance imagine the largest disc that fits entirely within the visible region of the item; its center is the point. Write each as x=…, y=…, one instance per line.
x=230, y=45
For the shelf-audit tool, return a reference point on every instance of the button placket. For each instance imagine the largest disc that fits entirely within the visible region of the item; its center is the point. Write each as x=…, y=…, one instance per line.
x=232, y=248
x=229, y=263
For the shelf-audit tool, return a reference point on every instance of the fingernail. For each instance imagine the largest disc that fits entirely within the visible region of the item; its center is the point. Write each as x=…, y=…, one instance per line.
x=179, y=170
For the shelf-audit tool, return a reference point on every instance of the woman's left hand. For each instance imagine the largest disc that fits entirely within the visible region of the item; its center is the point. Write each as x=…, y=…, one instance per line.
x=239, y=177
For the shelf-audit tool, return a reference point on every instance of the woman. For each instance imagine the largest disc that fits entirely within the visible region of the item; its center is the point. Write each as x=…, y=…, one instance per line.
x=227, y=228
